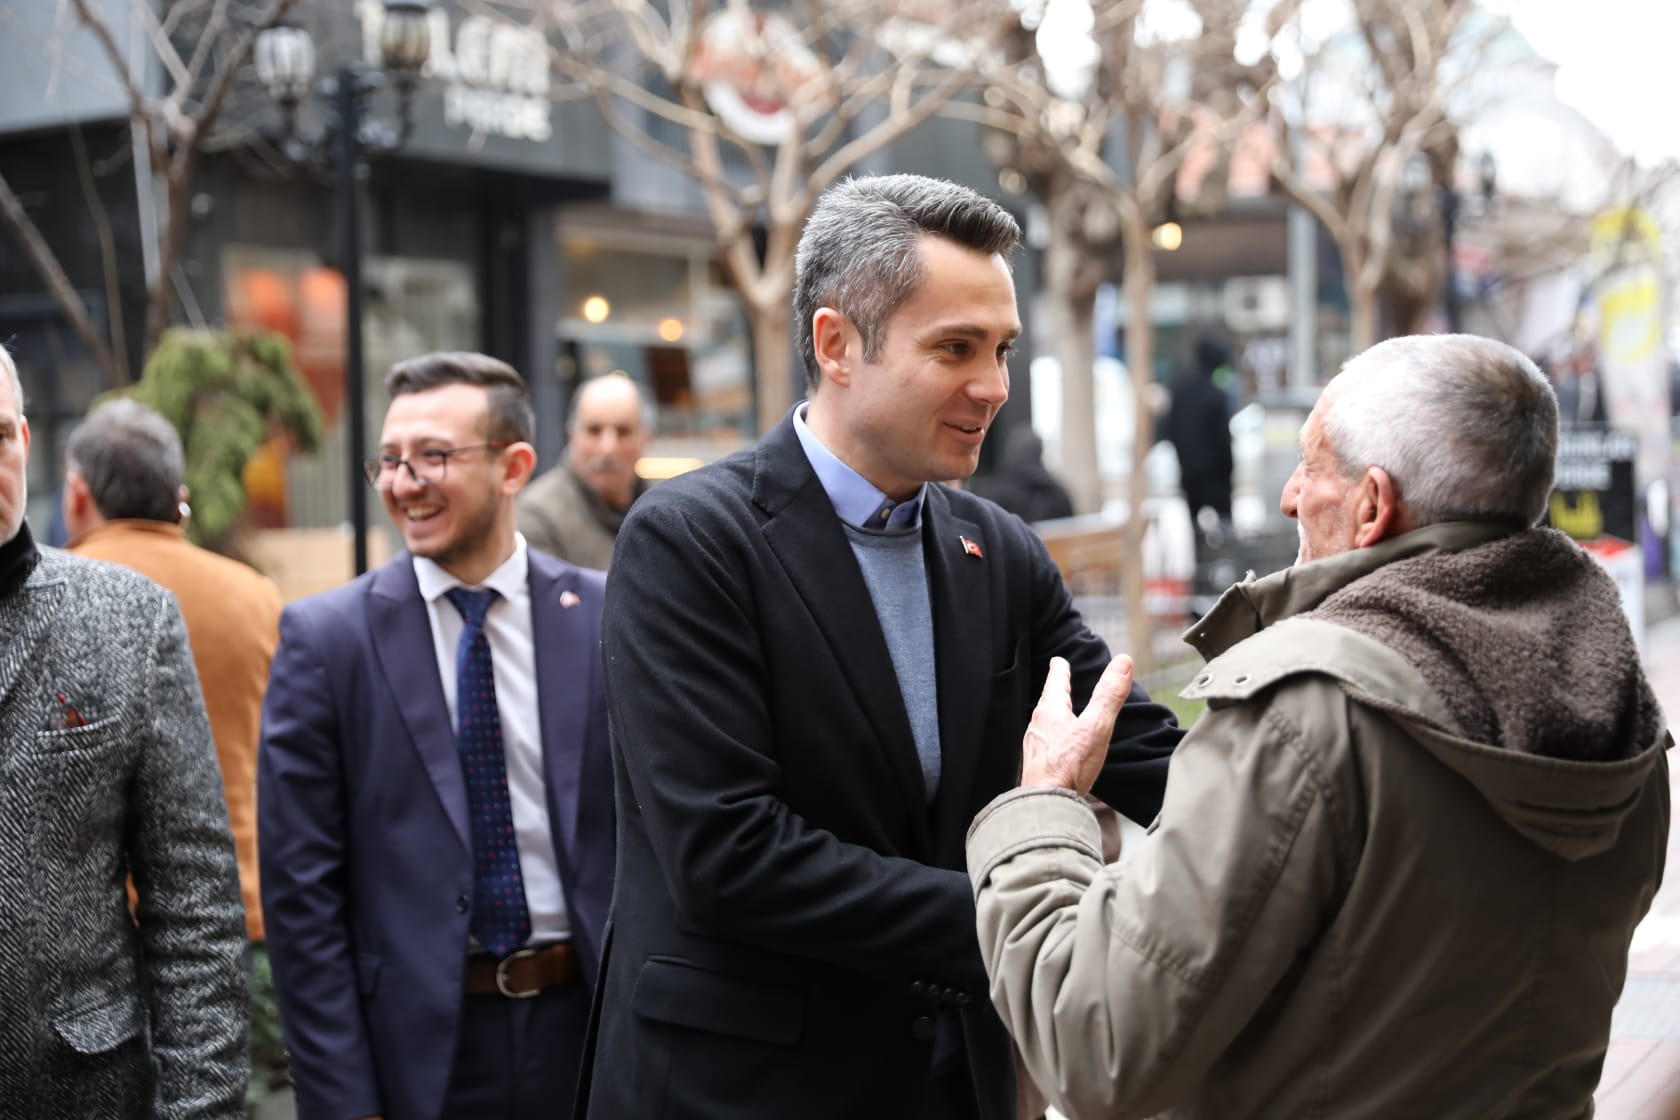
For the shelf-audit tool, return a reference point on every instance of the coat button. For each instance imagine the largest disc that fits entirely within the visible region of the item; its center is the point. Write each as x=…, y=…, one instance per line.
x=922, y=1028
x=462, y=904
x=919, y=987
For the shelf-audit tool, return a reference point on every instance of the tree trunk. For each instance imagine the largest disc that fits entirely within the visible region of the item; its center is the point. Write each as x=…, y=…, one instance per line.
x=1072, y=310
x=1140, y=361
x=178, y=191
x=772, y=360
x=1363, y=313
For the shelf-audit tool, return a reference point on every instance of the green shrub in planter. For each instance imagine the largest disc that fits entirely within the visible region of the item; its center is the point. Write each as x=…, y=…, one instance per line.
x=226, y=392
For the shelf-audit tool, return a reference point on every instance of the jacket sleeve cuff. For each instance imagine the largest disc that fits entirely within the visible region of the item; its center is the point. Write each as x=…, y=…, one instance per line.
x=1025, y=819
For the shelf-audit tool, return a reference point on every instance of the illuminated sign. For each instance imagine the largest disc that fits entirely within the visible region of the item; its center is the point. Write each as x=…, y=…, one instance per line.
x=494, y=74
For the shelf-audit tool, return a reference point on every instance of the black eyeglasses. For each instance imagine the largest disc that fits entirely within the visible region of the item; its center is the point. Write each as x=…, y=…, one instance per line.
x=425, y=467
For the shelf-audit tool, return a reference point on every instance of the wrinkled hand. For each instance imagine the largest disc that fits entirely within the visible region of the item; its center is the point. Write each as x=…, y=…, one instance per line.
x=1065, y=750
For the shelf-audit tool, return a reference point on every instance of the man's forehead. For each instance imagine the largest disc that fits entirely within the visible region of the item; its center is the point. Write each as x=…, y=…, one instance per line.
x=608, y=404
x=9, y=409
x=609, y=412
x=1312, y=432
x=437, y=414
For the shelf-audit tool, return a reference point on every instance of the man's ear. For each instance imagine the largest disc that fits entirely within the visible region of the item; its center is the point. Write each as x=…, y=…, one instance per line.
x=79, y=507
x=519, y=461
x=1377, y=512
x=831, y=338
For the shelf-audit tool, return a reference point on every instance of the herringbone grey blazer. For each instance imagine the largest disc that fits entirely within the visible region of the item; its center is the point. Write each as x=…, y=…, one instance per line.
x=107, y=770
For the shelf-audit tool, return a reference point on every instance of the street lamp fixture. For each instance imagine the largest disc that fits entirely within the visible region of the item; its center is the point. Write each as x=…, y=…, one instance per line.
x=284, y=56
x=1424, y=202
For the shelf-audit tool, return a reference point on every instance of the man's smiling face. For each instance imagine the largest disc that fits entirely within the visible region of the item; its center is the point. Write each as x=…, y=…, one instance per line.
x=919, y=411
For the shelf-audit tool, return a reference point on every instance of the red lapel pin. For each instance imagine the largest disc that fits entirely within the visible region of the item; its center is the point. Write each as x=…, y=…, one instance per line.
x=569, y=599
x=971, y=548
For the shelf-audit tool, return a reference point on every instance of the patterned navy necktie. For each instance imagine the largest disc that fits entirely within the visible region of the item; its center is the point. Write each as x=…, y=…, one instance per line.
x=500, y=919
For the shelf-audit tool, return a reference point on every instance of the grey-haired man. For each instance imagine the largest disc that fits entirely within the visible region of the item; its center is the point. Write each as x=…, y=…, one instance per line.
x=107, y=773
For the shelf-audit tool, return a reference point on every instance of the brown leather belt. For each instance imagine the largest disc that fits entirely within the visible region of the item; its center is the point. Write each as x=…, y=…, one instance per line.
x=522, y=974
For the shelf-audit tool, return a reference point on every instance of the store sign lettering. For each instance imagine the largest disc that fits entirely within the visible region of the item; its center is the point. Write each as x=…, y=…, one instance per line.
x=494, y=75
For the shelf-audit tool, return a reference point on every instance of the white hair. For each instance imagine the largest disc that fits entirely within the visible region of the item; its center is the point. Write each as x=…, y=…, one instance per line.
x=10, y=367
x=1467, y=427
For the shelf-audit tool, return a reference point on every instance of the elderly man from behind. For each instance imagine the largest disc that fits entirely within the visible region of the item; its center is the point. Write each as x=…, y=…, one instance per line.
x=574, y=512
x=123, y=502
x=107, y=773
x=1403, y=852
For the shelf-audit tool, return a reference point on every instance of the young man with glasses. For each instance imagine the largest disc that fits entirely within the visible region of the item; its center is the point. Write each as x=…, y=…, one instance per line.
x=435, y=824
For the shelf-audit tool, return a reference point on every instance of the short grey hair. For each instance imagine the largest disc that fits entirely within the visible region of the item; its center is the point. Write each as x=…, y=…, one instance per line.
x=10, y=366
x=1466, y=427
x=130, y=457
x=860, y=253
x=646, y=410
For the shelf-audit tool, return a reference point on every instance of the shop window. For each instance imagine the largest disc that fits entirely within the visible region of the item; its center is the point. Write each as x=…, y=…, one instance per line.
x=409, y=307
x=658, y=312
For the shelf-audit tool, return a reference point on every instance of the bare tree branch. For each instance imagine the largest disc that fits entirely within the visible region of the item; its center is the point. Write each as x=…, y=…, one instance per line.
x=845, y=98
x=107, y=257
x=46, y=264
x=138, y=109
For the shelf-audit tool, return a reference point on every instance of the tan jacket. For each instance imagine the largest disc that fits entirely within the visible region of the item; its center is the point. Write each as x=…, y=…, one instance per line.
x=233, y=622
x=562, y=516
x=1348, y=908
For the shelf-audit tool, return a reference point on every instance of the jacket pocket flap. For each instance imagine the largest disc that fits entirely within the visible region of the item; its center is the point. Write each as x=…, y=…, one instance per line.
x=100, y=1027
x=673, y=991
x=87, y=736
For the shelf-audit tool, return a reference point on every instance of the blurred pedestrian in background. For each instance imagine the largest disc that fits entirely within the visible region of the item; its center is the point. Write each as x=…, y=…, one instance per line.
x=1199, y=426
x=574, y=511
x=107, y=773
x=124, y=502
x=1575, y=378
x=1022, y=484
x=1403, y=852
x=433, y=791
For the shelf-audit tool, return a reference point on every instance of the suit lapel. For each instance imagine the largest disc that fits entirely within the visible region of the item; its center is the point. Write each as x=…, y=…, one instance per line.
x=962, y=625
x=25, y=617
x=402, y=643
x=568, y=658
x=805, y=534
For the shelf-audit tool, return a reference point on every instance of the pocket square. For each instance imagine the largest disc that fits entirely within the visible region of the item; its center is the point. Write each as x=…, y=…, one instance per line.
x=64, y=715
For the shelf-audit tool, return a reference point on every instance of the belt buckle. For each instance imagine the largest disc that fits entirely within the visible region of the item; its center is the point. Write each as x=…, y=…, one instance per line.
x=502, y=976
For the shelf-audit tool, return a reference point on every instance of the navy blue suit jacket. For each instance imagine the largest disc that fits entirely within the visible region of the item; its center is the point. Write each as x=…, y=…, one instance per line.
x=363, y=835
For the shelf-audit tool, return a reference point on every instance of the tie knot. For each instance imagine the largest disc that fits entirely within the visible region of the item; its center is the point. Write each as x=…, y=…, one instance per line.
x=473, y=605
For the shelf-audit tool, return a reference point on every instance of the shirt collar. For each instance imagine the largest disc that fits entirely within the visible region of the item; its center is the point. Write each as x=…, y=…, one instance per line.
x=855, y=498
x=126, y=526
x=508, y=581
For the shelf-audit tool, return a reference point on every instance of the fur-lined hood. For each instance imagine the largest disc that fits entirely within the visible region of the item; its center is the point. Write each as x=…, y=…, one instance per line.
x=1504, y=653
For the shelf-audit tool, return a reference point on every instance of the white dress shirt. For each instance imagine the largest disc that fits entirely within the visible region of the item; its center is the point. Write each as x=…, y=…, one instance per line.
x=513, y=661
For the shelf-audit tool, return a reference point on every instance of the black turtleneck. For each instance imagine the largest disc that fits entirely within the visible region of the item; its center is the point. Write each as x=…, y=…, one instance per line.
x=18, y=558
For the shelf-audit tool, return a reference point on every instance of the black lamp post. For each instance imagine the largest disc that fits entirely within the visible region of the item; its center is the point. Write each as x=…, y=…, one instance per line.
x=1450, y=205
x=285, y=62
